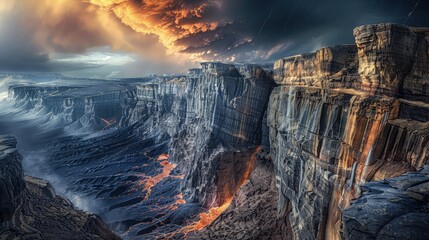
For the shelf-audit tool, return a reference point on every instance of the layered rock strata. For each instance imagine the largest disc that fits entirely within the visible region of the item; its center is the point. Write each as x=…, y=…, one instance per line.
x=30, y=209
x=343, y=117
x=221, y=132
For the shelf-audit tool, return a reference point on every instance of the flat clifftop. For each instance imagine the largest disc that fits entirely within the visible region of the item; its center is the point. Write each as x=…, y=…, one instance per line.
x=30, y=208
x=390, y=59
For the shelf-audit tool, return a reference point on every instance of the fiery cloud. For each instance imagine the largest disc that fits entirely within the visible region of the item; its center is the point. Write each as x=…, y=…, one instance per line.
x=169, y=20
x=171, y=35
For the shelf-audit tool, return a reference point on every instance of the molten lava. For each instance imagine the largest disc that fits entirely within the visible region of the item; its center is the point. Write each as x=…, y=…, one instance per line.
x=108, y=122
x=163, y=156
x=208, y=217
x=150, y=182
x=179, y=201
x=213, y=213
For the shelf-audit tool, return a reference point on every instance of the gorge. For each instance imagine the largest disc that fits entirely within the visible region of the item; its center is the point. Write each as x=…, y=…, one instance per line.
x=325, y=145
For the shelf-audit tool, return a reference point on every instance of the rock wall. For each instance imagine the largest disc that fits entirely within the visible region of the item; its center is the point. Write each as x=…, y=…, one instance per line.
x=222, y=130
x=393, y=59
x=252, y=213
x=12, y=178
x=30, y=209
x=76, y=105
x=336, y=126
x=313, y=69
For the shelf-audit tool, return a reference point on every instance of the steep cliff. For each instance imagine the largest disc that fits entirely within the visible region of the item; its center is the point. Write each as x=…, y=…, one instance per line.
x=222, y=130
x=342, y=118
x=79, y=107
x=252, y=213
x=30, y=209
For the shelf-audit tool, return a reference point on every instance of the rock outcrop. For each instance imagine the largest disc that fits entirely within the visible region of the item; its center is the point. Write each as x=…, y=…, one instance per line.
x=393, y=59
x=12, y=178
x=30, y=209
x=395, y=208
x=315, y=69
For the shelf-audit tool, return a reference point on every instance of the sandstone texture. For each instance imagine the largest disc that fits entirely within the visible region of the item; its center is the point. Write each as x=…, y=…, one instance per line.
x=342, y=117
x=30, y=209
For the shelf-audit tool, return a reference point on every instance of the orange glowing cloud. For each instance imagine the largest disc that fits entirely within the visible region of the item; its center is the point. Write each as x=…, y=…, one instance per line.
x=170, y=20
x=148, y=30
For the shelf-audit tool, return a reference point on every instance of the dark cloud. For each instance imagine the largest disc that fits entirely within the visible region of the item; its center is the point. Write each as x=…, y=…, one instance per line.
x=299, y=25
x=167, y=35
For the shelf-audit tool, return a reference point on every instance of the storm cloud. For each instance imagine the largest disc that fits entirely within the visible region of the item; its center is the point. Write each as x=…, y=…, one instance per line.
x=170, y=35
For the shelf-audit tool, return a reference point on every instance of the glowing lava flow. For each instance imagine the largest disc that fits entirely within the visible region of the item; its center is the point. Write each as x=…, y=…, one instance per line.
x=211, y=215
x=179, y=201
x=167, y=167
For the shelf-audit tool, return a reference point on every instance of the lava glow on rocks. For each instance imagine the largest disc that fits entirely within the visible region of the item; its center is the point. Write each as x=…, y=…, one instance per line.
x=212, y=214
x=150, y=182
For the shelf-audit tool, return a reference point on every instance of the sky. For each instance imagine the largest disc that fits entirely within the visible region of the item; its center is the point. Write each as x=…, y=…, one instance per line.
x=132, y=38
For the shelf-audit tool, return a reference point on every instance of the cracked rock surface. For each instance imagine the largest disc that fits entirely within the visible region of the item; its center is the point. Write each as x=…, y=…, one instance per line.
x=396, y=208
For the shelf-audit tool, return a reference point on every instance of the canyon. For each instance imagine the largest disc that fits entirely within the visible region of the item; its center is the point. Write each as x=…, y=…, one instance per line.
x=325, y=145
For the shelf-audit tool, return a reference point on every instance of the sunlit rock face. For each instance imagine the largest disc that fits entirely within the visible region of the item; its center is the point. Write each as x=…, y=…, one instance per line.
x=222, y=130
x=334, y=128
x=313, y=69
x=393, y=58
x=392, y=209
x=30, y=209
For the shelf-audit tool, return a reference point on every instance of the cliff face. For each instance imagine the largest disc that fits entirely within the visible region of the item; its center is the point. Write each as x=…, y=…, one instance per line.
x=393, y=59
x=350, y=120
x=314, y=69
x=222, y=131
x=252, y=213
x=30, y=208
x=77, y=107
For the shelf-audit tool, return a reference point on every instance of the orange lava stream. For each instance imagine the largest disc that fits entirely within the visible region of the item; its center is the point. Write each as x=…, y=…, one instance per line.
x=107, y=122
x=213, y=213
x=179, y=201
x=150, y=182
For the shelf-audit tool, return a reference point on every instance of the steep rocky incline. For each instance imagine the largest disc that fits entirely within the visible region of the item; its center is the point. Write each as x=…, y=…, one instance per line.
x=342, y=117
x=253, y=210
x=30, y=209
